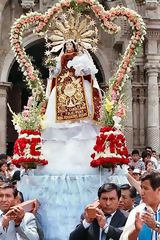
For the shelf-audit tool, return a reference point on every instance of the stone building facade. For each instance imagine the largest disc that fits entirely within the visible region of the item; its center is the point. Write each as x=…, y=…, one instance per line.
x=142, y=90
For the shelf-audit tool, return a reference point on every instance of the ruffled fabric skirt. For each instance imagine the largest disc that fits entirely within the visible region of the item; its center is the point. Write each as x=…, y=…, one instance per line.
x=64, y=197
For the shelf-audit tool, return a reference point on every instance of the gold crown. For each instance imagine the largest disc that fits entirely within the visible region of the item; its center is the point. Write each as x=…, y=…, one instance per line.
x=71, y=26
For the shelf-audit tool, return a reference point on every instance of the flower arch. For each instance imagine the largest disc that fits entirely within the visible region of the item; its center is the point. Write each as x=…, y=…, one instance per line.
x=114, y=98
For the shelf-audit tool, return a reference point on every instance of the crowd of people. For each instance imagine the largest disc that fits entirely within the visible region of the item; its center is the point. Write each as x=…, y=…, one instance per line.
x=15, y=223
x=129, y=211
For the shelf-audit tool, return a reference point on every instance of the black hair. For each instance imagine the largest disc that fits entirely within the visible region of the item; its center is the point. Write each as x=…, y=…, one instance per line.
x=135, y=151
x=144, y=154
x=16, y=176
x=2, y=162
x=131, y=167
x=3, y=156
x=149, y=148
x=9, y=185
x=108, y=187
x=21, y=198
x=74, y=46
x=153, y=178
x=132, y=190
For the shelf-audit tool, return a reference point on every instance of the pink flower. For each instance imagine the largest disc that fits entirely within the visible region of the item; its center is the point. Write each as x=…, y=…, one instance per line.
x=121, y=110
x=132, y=46
x=16, y=30
x=25, y=114
x=32, y=78
x=41, y=25
x=31, y=19
x=27, y=64
x=30, y=100
x=37, y=18
x=18, y=25
x=46, y=19
x=114, y=96
x=90, y=2
x=80, y=1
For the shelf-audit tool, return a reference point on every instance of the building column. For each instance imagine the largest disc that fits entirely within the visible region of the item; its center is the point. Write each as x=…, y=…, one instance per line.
x=153, y=109
x=135, y=123
x=129, y=117
x=3, y=115
x=0, y=27
x=142, y=133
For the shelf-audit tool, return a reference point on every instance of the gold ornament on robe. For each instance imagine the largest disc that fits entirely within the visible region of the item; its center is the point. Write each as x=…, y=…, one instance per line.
x=71, y=100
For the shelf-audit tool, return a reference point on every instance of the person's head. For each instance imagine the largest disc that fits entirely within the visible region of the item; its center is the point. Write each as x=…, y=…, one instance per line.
x=69, y=46
x=154, y=154
x=150, y=189
x=130, y=170
x=128, y=195
x=8, y=196
x=109, y=195
x=10, y=166
x=150, y=166
x=146, y=156
x=3, y=157
x=136, y=174
x=135, y=155
x=148, y=149
x=3, y=166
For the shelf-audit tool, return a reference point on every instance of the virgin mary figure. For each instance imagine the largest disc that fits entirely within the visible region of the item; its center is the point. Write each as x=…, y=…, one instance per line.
x=73, y=110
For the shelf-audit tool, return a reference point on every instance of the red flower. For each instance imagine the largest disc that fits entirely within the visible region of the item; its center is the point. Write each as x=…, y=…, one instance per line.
x=29, y=145
x=116, y=144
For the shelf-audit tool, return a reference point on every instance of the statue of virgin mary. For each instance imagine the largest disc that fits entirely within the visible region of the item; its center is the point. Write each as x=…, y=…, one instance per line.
x=74, y=102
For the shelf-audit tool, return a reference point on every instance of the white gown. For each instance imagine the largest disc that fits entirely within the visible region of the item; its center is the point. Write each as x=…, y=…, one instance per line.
x=67, y=183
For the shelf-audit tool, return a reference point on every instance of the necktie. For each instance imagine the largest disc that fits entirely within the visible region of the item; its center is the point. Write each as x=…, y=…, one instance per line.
x=102, y=234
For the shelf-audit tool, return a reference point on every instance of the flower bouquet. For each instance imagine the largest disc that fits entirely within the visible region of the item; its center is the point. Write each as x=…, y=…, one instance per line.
x=110, y=149
x=28, y=146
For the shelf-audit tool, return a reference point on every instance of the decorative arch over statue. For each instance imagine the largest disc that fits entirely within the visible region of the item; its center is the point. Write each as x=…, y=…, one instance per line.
x=10, y=57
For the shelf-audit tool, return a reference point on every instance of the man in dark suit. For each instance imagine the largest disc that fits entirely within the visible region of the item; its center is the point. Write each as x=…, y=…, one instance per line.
x=128, y=197
x=108, y=221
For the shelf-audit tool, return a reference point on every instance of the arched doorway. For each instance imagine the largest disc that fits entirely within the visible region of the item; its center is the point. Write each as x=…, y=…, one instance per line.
x=18, y=94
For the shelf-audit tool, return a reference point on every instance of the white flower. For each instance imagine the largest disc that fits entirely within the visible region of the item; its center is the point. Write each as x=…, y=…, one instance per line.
x=117, y=121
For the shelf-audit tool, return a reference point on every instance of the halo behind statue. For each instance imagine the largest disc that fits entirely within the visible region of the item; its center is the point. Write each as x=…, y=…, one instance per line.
x=71, y=26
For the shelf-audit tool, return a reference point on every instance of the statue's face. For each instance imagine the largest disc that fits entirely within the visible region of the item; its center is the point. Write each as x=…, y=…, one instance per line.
x=69, y=46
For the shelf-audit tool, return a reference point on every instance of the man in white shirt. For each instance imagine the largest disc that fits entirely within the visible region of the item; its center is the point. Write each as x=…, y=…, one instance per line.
x=13, y=219
x=144, y=220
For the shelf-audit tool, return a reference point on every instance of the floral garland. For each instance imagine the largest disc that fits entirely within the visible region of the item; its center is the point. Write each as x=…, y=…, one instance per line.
x=16, y=39
x=114, y=106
